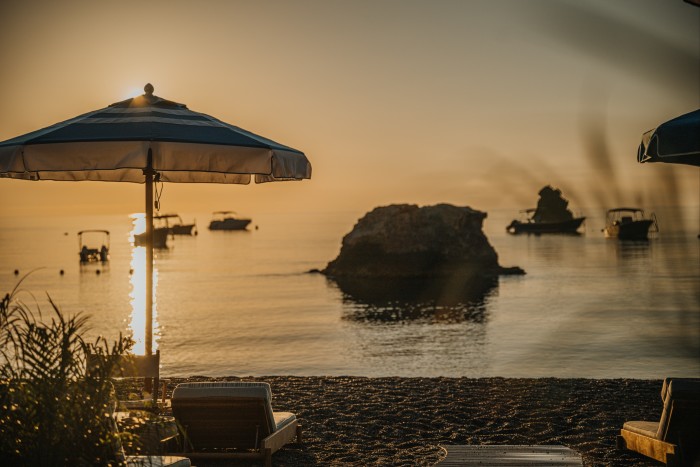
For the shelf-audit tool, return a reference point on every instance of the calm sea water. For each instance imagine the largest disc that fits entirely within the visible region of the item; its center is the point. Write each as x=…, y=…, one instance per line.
x=241, y=303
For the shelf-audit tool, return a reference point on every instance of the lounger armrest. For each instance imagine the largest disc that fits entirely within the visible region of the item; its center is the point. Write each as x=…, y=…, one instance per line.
x=279, y=438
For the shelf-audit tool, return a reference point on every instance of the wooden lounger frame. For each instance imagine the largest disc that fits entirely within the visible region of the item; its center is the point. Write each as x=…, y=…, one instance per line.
x=650, y=447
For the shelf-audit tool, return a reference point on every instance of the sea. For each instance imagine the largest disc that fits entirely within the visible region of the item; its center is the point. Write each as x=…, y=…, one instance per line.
x=244, y=303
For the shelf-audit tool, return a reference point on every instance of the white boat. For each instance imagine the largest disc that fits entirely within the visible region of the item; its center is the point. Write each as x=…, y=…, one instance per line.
x=226, y=220
x=629, y=224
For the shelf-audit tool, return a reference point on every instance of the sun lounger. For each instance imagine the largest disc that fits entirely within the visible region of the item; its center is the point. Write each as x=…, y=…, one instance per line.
x=675, y=438
x=231, y=420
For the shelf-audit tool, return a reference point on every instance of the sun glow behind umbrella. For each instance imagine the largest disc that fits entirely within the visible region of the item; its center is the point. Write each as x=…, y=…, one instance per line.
x=131, y=92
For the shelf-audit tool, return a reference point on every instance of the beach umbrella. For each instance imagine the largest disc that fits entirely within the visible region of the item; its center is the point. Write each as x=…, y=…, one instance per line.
x=148, y=139
x=676, y=141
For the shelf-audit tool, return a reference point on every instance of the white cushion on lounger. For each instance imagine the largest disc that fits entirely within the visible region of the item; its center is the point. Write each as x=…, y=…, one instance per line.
x=223, y=389
x=643, y=428
x=239, y=389
x=283, y=418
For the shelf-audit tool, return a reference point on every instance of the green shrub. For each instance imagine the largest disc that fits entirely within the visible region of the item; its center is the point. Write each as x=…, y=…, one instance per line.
x=53, y=409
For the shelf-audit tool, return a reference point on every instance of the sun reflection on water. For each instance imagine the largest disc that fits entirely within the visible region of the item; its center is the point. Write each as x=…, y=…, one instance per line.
x=137, y=295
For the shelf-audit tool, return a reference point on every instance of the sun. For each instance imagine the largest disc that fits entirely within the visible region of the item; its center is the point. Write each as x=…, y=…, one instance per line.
x=132, y=91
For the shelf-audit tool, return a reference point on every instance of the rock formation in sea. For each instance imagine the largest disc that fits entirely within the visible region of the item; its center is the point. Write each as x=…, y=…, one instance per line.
x=437, y=248
x=552, y=206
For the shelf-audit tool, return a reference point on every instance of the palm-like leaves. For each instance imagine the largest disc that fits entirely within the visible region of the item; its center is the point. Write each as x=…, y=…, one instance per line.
x=54, y=410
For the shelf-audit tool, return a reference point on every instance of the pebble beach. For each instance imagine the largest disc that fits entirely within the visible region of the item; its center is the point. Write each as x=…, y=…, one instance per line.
x=405, y=421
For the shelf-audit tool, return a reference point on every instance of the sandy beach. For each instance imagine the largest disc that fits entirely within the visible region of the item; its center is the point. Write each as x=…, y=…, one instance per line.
x=403, y=421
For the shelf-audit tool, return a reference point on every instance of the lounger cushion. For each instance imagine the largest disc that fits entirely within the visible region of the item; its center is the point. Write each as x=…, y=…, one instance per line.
x=282, y=419
x=684, y=388
x=648, y=429
x=223, y=389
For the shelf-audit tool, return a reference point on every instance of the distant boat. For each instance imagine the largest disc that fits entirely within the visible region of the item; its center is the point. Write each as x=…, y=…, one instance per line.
x=529, y=225
x=629, y=224
x=160, y=237
x=225, y=220
x=550, y=216
x=88, y=254
x=176, y=228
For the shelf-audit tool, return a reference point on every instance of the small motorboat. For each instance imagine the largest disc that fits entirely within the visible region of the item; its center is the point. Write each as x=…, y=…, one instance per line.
x=629, y=224
x=176, y=228
x=88, y=254
x=226, y=220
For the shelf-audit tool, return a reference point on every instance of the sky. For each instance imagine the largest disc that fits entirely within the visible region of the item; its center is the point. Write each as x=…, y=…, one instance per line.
x=474, y=103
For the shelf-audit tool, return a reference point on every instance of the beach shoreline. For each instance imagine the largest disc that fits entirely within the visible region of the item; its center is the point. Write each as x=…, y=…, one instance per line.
x=397, y=421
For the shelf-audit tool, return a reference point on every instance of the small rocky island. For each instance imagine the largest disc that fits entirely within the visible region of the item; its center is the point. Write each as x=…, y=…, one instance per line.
x=440, y=247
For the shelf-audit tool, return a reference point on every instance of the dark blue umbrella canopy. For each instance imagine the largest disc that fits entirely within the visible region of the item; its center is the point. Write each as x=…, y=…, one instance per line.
x=676, y=141
x=113, y=144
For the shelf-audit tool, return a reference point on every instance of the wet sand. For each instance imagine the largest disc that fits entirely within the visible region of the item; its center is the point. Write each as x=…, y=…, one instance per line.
x=402, y=421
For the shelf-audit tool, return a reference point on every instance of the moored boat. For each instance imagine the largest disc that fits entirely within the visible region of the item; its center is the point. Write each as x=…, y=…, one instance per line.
x=550, y=216
x=160, y=238
x=629, y=224
x=225, y=220
x=176, y=228
x=531, y=226
x=88, y=254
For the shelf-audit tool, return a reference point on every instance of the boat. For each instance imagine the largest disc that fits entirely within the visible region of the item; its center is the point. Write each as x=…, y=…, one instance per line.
x=176, y=228
x=530, y=225
x=225, y=220
x=88, y=254
x=160, y=238
x=550, y=216
x=629, y=224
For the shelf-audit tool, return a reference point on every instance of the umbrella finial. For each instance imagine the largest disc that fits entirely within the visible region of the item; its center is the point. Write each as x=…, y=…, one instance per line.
x=149, y=89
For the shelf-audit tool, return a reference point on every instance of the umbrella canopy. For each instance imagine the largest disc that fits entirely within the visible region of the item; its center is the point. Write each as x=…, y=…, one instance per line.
x=114, y=143
x=676, y=141
x=147, y=139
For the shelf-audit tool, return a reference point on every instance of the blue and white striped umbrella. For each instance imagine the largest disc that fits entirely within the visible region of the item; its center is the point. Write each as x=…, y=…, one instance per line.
x=114, y=143
x=147, y=139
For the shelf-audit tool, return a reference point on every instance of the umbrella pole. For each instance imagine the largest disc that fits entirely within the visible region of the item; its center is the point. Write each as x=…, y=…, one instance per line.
x=149, y=172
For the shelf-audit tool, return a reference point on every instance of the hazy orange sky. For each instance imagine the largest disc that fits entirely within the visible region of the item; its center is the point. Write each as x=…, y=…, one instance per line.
x=475, y=103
